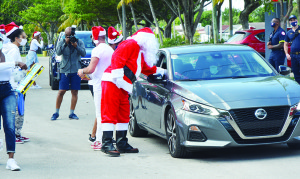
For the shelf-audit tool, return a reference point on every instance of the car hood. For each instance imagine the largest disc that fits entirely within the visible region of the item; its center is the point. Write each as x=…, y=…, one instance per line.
x=241, y=93
x=88, y=52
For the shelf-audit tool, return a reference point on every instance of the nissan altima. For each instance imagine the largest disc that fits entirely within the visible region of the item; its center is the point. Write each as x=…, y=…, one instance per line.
x=216, y=96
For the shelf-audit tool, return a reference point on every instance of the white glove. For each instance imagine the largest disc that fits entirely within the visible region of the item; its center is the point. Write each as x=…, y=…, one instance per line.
x=118, y=82
x=161, y=71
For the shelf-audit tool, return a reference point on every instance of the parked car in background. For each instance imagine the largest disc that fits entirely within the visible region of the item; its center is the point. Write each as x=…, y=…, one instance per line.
x=254, y=38
x=54, y=60
x=216, y=96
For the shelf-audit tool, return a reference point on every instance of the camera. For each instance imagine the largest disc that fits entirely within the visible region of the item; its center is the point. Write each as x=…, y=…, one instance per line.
x=73, y=39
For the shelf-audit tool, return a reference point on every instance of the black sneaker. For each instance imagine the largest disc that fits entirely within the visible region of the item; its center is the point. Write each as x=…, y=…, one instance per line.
x=92, y=139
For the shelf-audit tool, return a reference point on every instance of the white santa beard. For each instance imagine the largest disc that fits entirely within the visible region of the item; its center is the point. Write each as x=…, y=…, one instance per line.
x=149, y=46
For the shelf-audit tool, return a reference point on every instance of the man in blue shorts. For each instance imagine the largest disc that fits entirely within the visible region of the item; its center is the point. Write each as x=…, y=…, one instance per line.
x=71, y=53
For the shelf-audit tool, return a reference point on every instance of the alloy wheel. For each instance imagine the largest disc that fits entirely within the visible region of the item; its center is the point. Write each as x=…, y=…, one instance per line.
x=171, y=131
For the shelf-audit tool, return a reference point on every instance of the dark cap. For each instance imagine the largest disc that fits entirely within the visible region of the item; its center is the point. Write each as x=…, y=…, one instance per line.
x=292, y=17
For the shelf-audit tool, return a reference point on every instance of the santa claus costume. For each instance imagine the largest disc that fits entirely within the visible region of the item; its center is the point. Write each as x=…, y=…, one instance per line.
x=134, y=56
x=5, y=40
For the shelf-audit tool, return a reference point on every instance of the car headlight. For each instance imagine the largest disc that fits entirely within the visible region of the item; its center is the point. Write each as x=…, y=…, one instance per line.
x=294, y=109
x=199, y=108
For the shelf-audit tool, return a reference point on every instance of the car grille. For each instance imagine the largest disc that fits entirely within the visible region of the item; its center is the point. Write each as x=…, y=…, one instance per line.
x=85, y=62
x=251, y=126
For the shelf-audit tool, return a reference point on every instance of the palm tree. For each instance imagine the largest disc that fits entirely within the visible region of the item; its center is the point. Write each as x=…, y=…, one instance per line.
x=156, y=23
x=129, y=2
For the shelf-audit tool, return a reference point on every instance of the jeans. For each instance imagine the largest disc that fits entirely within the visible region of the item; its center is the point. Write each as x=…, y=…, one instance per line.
x=7, y=111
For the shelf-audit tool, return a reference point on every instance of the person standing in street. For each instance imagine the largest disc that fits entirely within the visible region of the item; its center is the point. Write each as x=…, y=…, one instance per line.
x=276, y=43
x=17, y=38
x=32, y=58
x=71, y=53
x=8, y=103
x=133, y=56
x=101, y=59
x=294, y=38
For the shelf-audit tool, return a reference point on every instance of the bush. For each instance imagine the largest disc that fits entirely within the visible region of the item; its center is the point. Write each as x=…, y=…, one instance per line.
x=177, y=41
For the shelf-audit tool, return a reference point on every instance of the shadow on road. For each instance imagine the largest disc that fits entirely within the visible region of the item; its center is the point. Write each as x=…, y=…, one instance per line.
x=234, y=154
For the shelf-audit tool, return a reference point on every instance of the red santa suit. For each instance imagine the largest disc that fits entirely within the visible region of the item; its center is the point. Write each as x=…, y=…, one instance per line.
x=133, y=54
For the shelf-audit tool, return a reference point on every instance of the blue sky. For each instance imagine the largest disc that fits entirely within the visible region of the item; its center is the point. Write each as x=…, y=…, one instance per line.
x=238, y=4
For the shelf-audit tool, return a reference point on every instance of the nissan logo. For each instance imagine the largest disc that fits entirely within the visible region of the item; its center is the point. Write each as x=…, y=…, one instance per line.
x=260, y=114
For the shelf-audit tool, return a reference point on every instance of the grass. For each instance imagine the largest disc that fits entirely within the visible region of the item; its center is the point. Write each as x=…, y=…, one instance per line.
x=39, y=55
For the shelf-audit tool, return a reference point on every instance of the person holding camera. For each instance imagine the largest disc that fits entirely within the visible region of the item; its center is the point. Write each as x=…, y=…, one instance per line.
x=71, y=50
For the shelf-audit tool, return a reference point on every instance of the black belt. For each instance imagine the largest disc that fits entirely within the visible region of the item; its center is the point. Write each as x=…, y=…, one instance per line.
x=4, y=82
x=129, y=74
x=277, y=50
x=297, y=53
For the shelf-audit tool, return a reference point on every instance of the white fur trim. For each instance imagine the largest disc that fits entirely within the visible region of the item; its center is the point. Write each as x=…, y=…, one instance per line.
x=114, y=41
x=20, y=27
x=139, y=65
x=37, y=34
x=160, y=71
x=11, y=31
x=114, y=33
x=101, y=33
x=2, y=30
x=107, y=127
x=124, y=84
x=122, y=126
x=117, y=73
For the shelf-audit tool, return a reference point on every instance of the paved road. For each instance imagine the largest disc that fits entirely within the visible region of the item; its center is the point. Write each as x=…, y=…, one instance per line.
x=59, y=149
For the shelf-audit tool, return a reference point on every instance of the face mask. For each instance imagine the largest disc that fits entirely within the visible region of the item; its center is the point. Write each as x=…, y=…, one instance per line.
x=1, y=45
x=93, y=43
x=273, y=24
x=116, y=47
x=294, y=23
x=23, y=42
x=213, y=70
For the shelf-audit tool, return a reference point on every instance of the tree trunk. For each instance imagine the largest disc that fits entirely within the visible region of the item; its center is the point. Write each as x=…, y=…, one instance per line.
x=133, y=15
x=231, y=18
x=168, y=28
x=284, y=18
x=215, y=25
x=219, y=16
x=249, y=7
x=120, y=20
x=124, y=31
x=156, y=23
x=298, y=7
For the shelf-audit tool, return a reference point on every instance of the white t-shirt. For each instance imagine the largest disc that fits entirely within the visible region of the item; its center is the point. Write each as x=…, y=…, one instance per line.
x=104, y=53
x=12, y=54
x=6, y=69
x=34, y=45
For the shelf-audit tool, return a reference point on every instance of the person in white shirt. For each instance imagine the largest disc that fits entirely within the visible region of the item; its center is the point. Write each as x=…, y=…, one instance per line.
x=8, y=104
x=32, y=58
x=101, y=59
x=18, y=38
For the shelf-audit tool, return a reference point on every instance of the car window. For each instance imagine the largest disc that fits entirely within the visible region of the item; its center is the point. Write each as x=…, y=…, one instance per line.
x=238, y=36
x=260, y=36
x=161, y=60
x=217, y=65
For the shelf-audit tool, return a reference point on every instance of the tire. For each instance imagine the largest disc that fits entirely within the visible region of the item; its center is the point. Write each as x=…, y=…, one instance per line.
x=294, y=145
x=54, y=83
x=173, y=137
x=133, y=127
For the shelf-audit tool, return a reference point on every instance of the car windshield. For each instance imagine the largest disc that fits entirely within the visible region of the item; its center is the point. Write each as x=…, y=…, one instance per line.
x=219, y=65
x=86, y=38
x=237, y=37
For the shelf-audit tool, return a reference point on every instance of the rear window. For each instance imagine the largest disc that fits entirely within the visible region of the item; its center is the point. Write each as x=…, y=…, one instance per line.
x=238, y=36
x=261, y=36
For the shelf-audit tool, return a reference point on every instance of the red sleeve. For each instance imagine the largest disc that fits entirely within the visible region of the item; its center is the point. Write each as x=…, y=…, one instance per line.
x=121, y=55
x=146, y=69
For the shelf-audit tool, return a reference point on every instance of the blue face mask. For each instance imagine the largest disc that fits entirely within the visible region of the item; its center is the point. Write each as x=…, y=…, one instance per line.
x=116, y=47
x=294, y=23
x=273, y=24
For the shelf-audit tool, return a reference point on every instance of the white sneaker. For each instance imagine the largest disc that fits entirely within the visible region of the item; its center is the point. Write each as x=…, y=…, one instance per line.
x=35, y=87
x=12, y=165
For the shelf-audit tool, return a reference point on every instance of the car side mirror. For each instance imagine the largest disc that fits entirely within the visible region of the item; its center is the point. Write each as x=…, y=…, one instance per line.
x=156, y=79
x=284, y=70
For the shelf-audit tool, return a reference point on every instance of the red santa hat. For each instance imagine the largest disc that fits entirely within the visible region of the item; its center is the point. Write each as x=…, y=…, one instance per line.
x=10, y=28
x=36, y=33
x=146, y=32
x=96, y=32
x=114, y=36
x=2, y=26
